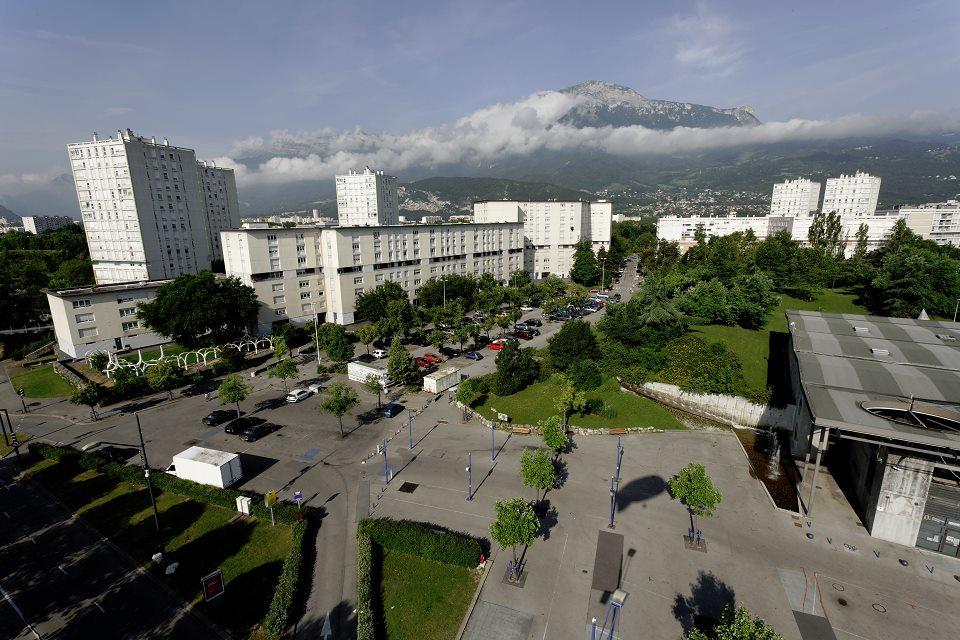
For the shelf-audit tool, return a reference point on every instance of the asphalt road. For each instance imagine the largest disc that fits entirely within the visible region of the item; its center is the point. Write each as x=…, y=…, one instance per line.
x=60, y=580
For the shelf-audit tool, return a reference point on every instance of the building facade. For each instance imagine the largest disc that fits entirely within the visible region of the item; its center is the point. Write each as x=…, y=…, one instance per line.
x=102, y=318
x=367, y=198
x=305, y=272
x=937, y=221
x=218, y=186
x=794, y=198
x=551, y=229
x=854, y=195
x=37, y=224
x=144, y=208
x=683, y=229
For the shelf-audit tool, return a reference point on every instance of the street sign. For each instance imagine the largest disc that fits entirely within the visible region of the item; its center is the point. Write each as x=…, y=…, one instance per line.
x=270, y=497
x=20, y=392
x=213, y=586
x=298, y=497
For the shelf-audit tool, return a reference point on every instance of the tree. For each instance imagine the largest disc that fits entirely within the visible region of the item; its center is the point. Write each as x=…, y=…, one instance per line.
x=197, y=307
x=367, y=334
x=861, y=248
x=516, y=369
x=538, y=471
x=165, y=376
x=737, y=624
x=372, y=305
x=338, y=347
x=437, y=338
x=585, y=375
x=516, y=524
x=280, y=348
x=90, y=394
x=574, y=341
x=569, y=400
x=554, y=434
x=752, y=299
x=374, y=384
x=233, y=390
x=519, y=279
x=98, y=360
x=461, y=335
x=341, y=401
x=584, y=269
x=401, y=367
x=604, y=264
x=694, y=489
x=285, y=370
x=707, y=301
x=399, y=318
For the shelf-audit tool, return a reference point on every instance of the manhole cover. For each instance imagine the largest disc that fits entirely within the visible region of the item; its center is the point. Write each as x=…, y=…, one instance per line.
x=408, y=487
x=838, y=587
x=842, y=601
x=879, y=608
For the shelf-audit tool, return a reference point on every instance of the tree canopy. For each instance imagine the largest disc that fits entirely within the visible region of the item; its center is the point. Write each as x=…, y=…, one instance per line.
x=574, y=341
x=584, y=270
x=516, y=369
x=516, y=524
x=340, y=401
x=737, y=623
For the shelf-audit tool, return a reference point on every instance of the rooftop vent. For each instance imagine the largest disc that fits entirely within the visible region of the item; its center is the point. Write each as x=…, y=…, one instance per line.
x=880, y=352
x=946, y=337
x=861, y=329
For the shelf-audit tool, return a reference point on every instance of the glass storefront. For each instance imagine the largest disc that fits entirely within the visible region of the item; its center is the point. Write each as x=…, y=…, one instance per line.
x=940, y=527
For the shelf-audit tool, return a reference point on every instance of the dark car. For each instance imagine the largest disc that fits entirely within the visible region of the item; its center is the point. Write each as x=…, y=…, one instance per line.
x=450, y=352
x=391, y=409
x=523, y=335
x=473, y=355
x=242, y=424
x=533, y=322
x=217, y=417
x=257, y=431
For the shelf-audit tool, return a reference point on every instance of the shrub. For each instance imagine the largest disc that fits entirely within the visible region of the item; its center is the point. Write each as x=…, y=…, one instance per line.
x=585, y=375
x=421, y=540
x=366, y=629
x=278, y=618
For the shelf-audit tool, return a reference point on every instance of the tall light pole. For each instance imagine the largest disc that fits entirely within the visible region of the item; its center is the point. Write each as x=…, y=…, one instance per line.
x=615, y=486
x=955, y=309
x=469, y=476
x=316, y=329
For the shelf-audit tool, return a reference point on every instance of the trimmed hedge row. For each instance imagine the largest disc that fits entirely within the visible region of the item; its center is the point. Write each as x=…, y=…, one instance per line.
x=420, y=540
x=278, y=618
x=366, y=626
x=227, y=498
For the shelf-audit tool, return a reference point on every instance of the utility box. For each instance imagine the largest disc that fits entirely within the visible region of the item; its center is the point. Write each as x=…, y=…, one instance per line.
x=243, y=505
x=441, y=380
x=207, y=466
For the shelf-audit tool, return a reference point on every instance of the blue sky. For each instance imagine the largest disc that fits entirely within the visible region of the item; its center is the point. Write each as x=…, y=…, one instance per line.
x=208, y=74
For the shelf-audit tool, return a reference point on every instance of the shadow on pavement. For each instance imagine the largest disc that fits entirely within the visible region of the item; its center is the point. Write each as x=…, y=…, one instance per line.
x=254, y=465
x=639, y=490
x=709, y=596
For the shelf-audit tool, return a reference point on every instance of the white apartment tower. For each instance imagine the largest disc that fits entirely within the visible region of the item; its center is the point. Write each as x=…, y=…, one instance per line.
x=219, y=189
x=795, y=198
x=854, y=195
x=145, y=207
x=367, y=198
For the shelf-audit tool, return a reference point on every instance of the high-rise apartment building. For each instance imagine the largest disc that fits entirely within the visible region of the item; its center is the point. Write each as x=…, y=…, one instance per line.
x=37, y=224
x=854, y=195
x=551, y=229
x=798, y=197
x=367, y=198
x=218, y=186
x=145, y=207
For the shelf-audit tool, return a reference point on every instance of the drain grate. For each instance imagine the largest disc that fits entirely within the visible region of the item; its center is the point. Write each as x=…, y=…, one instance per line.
x=409, y=487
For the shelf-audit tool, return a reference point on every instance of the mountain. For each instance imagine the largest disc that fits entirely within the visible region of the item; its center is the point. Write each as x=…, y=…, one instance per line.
x=601, y=104
x=58, y=197
x=445, y=196
x=8, y=215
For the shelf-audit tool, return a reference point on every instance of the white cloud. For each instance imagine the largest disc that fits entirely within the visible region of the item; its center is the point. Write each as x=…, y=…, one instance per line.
x=521, y=128
x=13, y=183
x=706, y=42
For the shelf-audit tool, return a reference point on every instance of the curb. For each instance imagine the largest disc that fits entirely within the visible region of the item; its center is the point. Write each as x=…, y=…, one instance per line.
x=476, y=598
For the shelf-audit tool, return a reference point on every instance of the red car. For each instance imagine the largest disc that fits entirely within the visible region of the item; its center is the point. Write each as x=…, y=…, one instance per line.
x=496, y=345
x=432, y=358
x=423, y=362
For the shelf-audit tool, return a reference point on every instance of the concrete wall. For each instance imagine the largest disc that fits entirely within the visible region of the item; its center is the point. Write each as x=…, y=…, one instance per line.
x=900, y=497
x=731, y=410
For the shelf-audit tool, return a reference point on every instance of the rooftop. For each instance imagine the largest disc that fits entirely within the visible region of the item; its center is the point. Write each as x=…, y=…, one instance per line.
x=107, y=288
x=851, y=361
x=206, y=456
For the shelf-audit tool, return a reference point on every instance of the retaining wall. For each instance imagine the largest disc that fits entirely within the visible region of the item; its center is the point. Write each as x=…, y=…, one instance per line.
x=69, y=374
x=731, y=410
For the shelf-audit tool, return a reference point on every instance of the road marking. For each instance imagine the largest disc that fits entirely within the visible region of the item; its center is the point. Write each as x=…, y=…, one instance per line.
x=430, y=506
x=97, y=605
x=7, y=597
x=60, y=566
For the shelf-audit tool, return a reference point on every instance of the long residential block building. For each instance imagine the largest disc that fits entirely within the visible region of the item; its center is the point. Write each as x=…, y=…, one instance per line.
x=551, y=229
x=301, y=273
x=38, y=224
x=149, y=210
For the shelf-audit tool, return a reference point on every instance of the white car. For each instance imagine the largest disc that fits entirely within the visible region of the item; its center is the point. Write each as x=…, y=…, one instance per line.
x=379, y=353
x=296, y=395
x=526, y=307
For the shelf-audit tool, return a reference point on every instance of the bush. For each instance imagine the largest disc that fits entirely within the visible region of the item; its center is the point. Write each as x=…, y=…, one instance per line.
x=421, y=540
x=700, y=367
x=366, y=628
x=226, y=498
x=585, y=375
x=473, y=391
x=278, y=618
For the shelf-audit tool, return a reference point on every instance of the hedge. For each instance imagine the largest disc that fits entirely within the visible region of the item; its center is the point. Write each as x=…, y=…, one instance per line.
x=227, y=498
x=366, y=627
x=278, y=618
x=421, y=540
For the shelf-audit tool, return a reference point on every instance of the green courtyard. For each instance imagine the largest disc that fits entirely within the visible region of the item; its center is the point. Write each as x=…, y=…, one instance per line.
x=41, y=382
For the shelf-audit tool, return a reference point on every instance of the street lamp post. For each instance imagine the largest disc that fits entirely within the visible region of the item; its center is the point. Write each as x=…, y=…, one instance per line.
x=469, y=476
x=614, y=487
x=493, y=454
x=410, y=428
x=955, y=309
x=316, y=329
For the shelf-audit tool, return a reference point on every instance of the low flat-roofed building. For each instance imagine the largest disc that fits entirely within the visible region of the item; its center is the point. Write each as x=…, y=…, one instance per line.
x=102, y=318
x=883, y=396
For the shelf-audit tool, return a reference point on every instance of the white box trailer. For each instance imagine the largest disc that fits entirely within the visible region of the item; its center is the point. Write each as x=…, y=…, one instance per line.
x=358, y=370
x=207, y=466
x=441, y=380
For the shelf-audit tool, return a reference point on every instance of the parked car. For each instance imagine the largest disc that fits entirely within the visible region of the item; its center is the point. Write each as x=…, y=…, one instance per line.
x=242, y=424
x=391, y=409
x=422, y=362
x=432, y=358
x=450, y=352
x=473, y=355
x=379, y=353
x=257, y=431
x=296, y=395
x=497, y=344
x=533, y=322
x=523, y=335
x=218, y=417
x=526, y=306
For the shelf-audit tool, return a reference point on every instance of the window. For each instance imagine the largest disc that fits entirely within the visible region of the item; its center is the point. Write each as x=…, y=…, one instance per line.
x=124, y=299
x=305, y=295
x=278, y=287
x=271, y=238
x=84, y=317
x=87, y=333
x=280, y=312
x=279, y=299
x=77, y=304
x=358, y=280
x=127, y=312
x=274, y=264
x=302, y=260
x=304, y=284
x=129, y=326
x=358, y=291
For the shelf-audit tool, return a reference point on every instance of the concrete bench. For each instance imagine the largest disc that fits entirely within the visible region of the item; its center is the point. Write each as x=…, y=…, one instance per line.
x=619, y=431
x=523, y=431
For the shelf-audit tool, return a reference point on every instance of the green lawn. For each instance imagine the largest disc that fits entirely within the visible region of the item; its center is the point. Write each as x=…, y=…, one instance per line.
x=42, y=382
x=22, y=437
x=199, y=536
x=753, y=347
x=423, y=599
x=538, y=401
